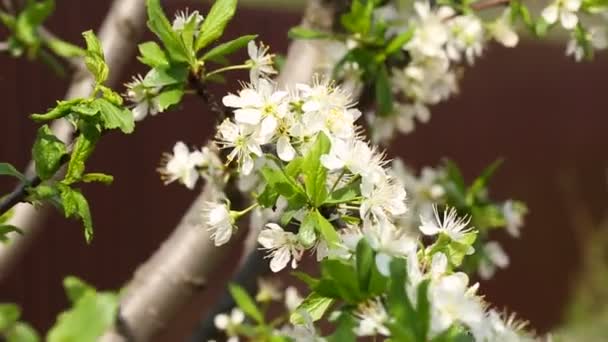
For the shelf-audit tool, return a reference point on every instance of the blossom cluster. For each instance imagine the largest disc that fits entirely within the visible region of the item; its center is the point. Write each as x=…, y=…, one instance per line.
x=274, y=134
x=443, y=38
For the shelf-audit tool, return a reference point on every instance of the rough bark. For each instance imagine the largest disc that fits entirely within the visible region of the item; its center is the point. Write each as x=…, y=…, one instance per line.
x=119, y=31
x=180, y=268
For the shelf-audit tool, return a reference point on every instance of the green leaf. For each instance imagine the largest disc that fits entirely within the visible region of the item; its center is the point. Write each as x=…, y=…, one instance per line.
x=423, y=310
x=279, y=183
x=9, y=314
x=7, y=169
x=306, y=233
x=228, y=47
x=478, y=188
x=359, y=19
x=159, y=24
x=114, y=116
x=88, y=318
x=305, y=278
x=246, y=303
x=22, y=332
x=47, y=152
x=344, y=194
x=152, y=55
x=365, y=264
x=399, y=305
x=326, y=229
x=315, y=175
x=76, y=288
x=169, y=98
x=397, y=43
x=62, y=109
x=98, y=177
x=6, y=229
x=300, y=32
x=28, y=21
x=64, y=49
x=314, y=305
x=339, y=278
x=158, y=77
x=81, y=151
x=214, y=24
x=345, y=329
x=94, y=59
x=384, y=94
x=76, y=205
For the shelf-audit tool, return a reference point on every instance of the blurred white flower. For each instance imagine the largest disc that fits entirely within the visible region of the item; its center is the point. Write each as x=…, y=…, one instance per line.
x=229, y=323
x=564, y=10
x=218, y=220
x=260, y=61
x=282, y=246
x=181, y=166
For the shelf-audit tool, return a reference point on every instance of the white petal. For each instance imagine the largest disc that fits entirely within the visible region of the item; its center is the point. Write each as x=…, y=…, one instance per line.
x=550, y=13
x=382, y=263
x=222, y=234
x=269, y=125
x=428, y=227
x=233, y=101
x=140, y=111
x=252, y=50
x=237, y=316
x=250, y=116
x=568, y=19
x=331, y=162
x=280, y=259
x=221, y=321
x=284, y=149
x=247, y=165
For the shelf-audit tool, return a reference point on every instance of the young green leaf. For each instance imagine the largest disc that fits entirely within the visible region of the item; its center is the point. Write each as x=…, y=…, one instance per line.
x=62, y=109
x=314, y=306
x=344, y=194
x=75, y=288
x=396, y=44
x=21, y=332
x=384, y=94
x=47, y=152
x=158, y=77
x=423, y=310
x=83, y=147
x=300, y=32
x=246, y=303
x=306, y=233
x=98, y=177
x=228, y=47
x=365, y=264
x=279, y=183
x=315, y=175
x=63, y=48
x=359, y=19
x=76, y=205
x=9, y=314
x=7, y=169
x=159, y=24
x=326, y=229
x=169, y=97
x=214, y=24
x=152, y=55
x=94, y=59
x=28, y=21
x=345, y=329
x=114, y=116
x=88, y=318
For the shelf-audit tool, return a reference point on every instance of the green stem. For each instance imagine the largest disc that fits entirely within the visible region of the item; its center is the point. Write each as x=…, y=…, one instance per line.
x=228, y=68
x=337, y=180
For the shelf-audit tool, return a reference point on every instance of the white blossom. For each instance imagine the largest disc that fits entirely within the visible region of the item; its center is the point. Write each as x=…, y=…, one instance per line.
x=513, y=217
x=466, y=37
x=143, y=97
x=182, y=165
x=502, y=30
x=260, y=61
x=383, y=200
x=595, y=36
x=451, y=225
x=183, y=18
x=495, y=256
x=372, y=318
x=388, y=241
x=243, y=142
x=292, y=298
x=453, y=301
x=217, y=219
x=282, y=246
x=229, y=323
x=564, y=10
x=431, y=31
x=357, y=157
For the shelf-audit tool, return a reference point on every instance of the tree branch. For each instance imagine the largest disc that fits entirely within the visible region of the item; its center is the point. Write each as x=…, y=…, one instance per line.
x=121, y=28
x=179, y=269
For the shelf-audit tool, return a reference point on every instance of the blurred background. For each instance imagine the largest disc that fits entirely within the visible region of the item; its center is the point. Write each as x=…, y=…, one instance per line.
x=533, y=106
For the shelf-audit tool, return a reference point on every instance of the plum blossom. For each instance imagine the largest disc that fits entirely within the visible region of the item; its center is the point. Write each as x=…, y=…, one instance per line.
x=229, y=323
x=217, y=218
x=243, y=142
x=260, y=62
x=451, y=225
x=372, y=318
x=143, y=97
x=564, y=10
x=282, y=246
x=182, y=165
